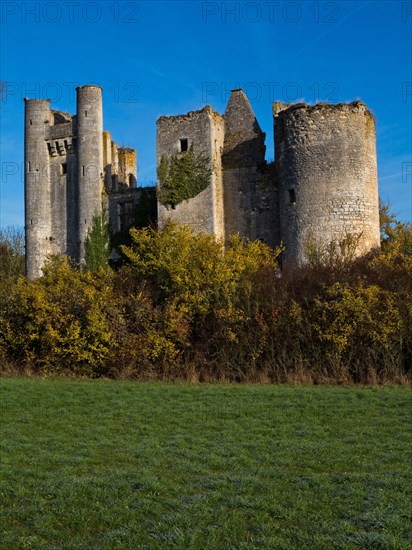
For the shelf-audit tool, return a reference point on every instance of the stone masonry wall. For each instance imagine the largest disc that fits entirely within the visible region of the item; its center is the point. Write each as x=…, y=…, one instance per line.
x=326, y=164
x=242, y=162
x=36, y=185
x=63, y=168
x=127, y=167
x=67, y=160
x=90, y=159
x=204, y=130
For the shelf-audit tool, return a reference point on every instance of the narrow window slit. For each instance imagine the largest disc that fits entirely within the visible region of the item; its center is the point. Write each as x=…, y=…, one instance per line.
x=184, y=145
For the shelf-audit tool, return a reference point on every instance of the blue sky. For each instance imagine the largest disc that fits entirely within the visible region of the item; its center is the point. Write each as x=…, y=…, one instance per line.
x=162, y=58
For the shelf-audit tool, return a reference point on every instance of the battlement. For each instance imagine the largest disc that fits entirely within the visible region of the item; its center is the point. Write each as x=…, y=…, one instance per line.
x=191, y=115
x=279, y=108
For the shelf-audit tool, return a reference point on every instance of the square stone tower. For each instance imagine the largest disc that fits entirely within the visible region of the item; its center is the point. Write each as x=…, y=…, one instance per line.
x=204, y=132
x=241, y=195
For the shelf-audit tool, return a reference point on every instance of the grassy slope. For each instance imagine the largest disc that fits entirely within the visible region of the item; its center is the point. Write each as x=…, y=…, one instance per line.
x=100, y=464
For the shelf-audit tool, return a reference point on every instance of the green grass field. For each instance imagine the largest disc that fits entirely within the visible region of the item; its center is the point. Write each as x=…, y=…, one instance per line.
x=109, y=464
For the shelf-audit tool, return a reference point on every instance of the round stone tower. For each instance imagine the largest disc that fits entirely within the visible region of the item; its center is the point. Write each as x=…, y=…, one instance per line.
x=89, y=158
x=327, y=178
x=36, y=185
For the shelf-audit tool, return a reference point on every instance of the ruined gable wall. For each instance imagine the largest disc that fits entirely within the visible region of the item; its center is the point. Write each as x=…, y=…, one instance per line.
x=243, y=164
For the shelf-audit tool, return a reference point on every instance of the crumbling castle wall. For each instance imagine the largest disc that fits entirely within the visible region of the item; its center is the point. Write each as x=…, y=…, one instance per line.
x=63, y=174
x=127, y=167
x=121, y=184
x=322, y=188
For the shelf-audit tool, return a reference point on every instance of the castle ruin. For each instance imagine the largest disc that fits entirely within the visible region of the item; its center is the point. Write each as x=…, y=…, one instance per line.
x=73, y=171
x=321, y=188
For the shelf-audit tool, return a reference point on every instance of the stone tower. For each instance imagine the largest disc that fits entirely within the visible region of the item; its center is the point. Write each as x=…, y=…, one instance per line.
x=204, y=130
x=72, y=171
x=37, y=188
x=326, y=177
x=89, y=159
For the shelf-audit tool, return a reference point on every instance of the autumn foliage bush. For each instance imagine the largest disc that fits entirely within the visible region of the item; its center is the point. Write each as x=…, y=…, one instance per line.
x=184, y=307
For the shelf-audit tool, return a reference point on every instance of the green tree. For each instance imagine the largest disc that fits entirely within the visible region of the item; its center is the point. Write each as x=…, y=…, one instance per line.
x=11, y=252
x=182, y=176
x=96, y=245
x=395, y=235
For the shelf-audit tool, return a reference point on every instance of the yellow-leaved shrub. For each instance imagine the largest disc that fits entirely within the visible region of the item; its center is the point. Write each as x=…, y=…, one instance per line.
x=187, y=307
